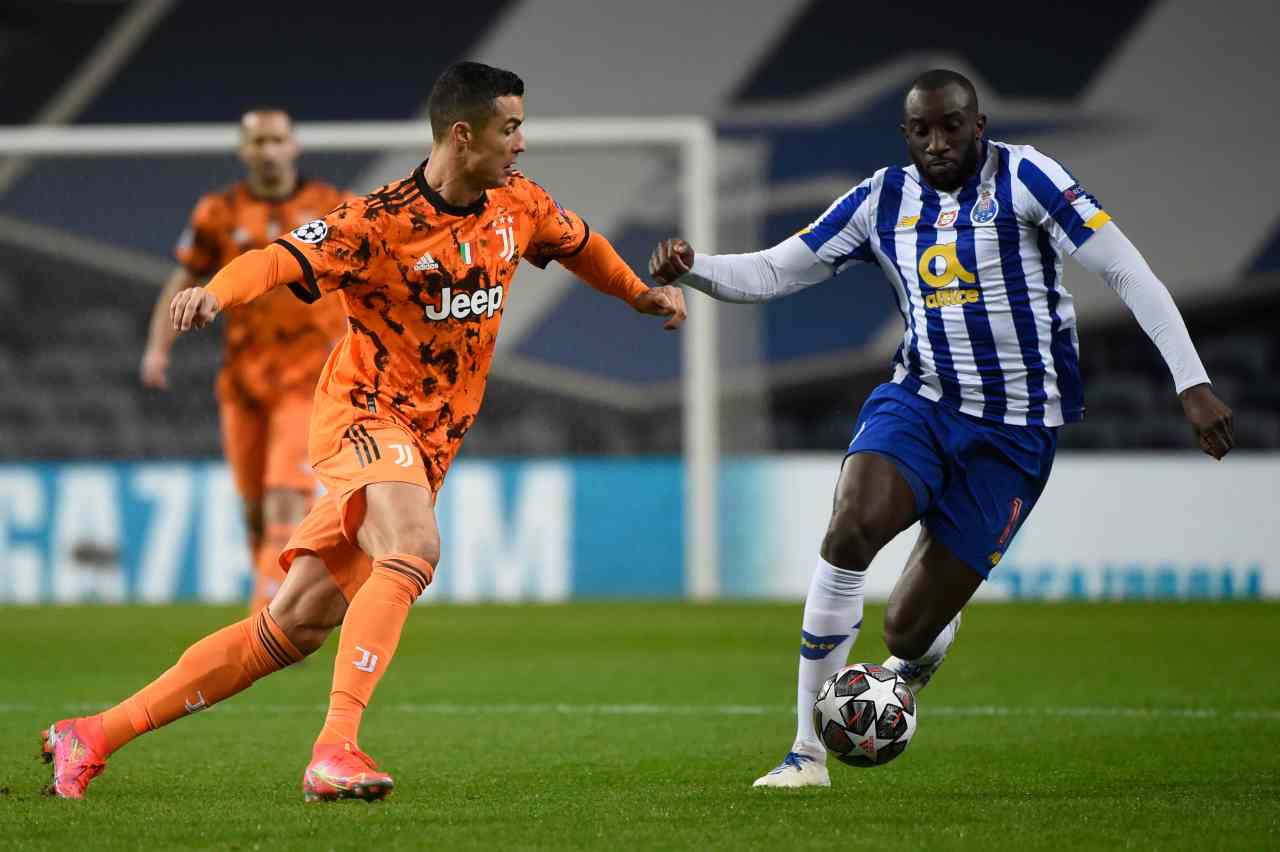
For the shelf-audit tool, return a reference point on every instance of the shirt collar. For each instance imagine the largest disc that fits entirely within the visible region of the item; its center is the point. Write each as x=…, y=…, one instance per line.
x=437, y=200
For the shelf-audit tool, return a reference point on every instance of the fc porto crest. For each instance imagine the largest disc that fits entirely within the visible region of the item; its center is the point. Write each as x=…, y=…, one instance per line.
x=984, y=209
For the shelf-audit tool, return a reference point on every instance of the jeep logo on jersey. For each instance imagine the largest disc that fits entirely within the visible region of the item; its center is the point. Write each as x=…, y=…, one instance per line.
x=312, y=232
x=463, y=305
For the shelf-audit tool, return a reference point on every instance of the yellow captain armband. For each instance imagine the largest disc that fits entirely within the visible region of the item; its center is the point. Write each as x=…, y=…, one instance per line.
x=1097, y=220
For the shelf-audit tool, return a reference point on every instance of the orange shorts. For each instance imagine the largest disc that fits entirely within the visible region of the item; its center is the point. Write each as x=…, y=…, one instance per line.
x=372, y=451
x=266, y=444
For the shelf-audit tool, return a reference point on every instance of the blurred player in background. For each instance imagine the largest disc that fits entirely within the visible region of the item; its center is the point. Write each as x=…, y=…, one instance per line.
x=275, y=348
x=971, y=237
x=424, y=266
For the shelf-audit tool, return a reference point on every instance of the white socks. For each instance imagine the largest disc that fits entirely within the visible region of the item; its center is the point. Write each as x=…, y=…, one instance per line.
x=941, y=643
x=832, y=617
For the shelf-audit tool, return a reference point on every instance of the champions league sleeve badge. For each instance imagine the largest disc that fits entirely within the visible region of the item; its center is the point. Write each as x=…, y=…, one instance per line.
x=984, y=209
x=312, y=232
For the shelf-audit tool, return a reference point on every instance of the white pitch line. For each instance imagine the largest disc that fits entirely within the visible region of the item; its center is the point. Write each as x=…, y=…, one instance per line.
x=442, y=709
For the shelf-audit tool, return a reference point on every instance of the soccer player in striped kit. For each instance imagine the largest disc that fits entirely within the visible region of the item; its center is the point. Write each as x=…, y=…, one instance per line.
x=971, y=237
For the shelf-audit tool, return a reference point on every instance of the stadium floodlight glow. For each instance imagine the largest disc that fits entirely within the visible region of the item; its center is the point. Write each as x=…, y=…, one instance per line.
x=693, y=139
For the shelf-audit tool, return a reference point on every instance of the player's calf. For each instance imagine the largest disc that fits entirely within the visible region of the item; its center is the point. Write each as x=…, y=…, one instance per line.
x=906, y=638
x=918, y=670
x=308, y=605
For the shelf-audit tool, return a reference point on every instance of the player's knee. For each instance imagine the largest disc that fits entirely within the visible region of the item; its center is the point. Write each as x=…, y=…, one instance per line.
x=308, y=605
x=421, y=540
x=425, y=545
x=305, y=631
x=852, y=540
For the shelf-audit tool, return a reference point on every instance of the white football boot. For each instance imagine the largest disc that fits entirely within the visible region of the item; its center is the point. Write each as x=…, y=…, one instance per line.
x=804, y=766
x=917, y=675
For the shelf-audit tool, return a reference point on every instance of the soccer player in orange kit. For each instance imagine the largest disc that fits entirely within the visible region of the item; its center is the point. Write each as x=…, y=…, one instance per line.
x=275, y=348
x=424, y=266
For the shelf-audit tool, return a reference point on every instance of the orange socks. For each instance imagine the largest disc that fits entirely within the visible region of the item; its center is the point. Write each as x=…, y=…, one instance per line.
x=230, y=660
x=217, y=667
x=267, y=574
x=370, y=634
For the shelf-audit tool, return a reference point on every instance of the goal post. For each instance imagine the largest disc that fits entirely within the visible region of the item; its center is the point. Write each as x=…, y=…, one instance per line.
x=693, y=140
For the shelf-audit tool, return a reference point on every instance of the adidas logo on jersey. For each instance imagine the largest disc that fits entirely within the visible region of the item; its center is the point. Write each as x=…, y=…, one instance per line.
x=463, y=305
x=426, y=263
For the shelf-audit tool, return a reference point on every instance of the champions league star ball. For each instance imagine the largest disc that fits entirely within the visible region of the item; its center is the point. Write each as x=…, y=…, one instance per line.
x=865, y=715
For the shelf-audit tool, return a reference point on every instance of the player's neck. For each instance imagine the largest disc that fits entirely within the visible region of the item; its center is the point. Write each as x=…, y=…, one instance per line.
x=276, y=190
x=452, y=182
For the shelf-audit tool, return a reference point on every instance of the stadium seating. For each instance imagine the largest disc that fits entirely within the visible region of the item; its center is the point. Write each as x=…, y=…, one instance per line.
x=71, y=334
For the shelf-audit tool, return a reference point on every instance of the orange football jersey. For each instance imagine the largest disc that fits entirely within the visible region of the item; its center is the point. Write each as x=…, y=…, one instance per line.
x=272, y=344
x=424, y=283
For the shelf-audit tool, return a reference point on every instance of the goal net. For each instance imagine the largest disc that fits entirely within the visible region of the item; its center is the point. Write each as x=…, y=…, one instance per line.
x=91, y=213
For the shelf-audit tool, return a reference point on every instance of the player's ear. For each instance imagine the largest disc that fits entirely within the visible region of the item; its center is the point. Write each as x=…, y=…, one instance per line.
x=980, y=125
x=461, y=134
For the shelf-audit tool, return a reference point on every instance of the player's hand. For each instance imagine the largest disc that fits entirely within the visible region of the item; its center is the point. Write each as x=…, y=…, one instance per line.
x=671, y=259
x=663, y=302
x=155, y=369
x=194, y=307
x=1211, y=419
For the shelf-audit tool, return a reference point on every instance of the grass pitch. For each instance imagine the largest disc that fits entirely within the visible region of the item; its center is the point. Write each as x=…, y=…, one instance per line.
x=620, y=726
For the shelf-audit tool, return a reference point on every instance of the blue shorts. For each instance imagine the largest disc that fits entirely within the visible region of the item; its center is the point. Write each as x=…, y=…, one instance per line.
x=975, y=480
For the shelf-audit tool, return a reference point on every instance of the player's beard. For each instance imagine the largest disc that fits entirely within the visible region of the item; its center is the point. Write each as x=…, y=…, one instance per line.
x=963, y=171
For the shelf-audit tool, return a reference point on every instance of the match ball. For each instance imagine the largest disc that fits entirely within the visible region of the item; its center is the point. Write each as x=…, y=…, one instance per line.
x=865, y=715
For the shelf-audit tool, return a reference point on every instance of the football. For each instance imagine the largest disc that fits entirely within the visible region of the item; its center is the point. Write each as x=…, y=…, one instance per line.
x=865, y=715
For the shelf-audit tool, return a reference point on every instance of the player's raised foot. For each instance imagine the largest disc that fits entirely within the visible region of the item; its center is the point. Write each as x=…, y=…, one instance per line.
x=344, y=772
x=916, y=675
x=804, y=766
x=74, y=747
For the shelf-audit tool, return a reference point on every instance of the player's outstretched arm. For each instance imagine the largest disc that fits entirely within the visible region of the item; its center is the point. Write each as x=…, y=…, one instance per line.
x=242, y=280
x=759, y=276
x=1109, y=253
x=160, y=331
x=599, y=265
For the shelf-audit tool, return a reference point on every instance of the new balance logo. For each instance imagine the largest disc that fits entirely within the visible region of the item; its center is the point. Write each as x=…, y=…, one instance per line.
x=368, y=660
x=426, y=263
x=199, y=705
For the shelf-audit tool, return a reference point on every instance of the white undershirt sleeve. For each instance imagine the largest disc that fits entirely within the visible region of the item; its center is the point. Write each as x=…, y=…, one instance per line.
x=1110, y=254
x=760, y=276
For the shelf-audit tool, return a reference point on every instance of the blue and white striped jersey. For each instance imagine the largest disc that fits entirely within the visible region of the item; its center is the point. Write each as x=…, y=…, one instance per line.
x=977, y=273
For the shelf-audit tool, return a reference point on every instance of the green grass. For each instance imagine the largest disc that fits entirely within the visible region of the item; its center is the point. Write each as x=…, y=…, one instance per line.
x=1093, y=739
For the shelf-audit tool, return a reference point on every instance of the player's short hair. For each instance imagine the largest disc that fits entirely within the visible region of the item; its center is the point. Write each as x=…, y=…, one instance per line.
x=938, y=78
x=266, y=110
x=466, y=92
